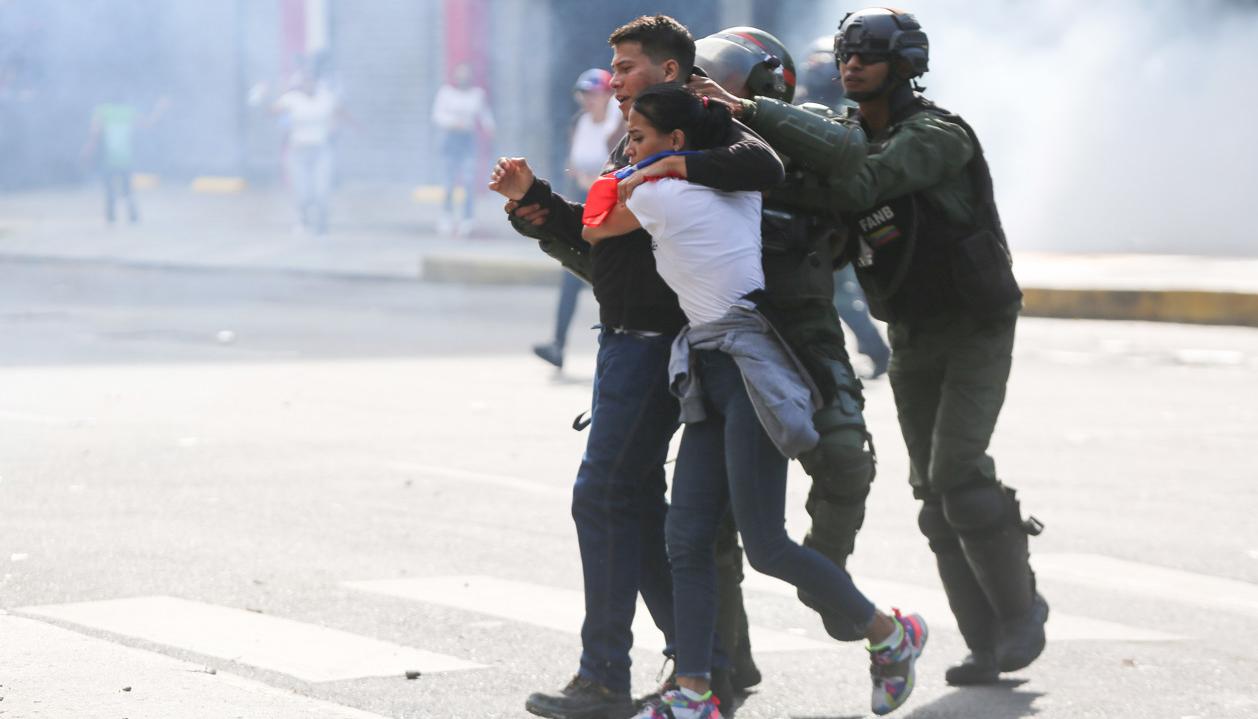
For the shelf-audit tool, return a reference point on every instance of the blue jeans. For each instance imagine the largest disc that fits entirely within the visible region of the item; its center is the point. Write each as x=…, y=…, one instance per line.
x=458, y=150
x=619, y=503
x=728, y=459
x=569, y=289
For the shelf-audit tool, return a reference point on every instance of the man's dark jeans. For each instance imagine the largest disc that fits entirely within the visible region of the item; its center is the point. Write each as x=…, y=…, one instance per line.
x=619, y=503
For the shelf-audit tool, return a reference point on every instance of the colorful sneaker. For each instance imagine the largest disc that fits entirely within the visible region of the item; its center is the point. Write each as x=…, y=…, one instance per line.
x=892, y=668
x=676, y=705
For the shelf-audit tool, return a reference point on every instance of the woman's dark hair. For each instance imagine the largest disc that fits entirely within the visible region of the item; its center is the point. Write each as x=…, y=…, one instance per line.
x=670, y=106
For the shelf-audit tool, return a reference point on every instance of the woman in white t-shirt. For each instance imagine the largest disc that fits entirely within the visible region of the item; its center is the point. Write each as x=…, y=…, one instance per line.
x=707, y=248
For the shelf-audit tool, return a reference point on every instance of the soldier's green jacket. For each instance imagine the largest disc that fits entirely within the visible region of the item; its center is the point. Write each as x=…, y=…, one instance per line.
x=918, y=151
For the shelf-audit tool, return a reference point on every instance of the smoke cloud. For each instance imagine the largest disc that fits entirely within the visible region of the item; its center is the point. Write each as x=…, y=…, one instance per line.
x=1122, y=126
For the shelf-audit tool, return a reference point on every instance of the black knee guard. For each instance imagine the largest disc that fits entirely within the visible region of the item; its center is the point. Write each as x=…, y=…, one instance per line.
x=975, y=616
x=993, y=536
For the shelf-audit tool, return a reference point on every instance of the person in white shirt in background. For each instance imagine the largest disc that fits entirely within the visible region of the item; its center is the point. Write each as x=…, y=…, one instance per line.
x=312, y=112
x=459, y=110
x=597, y=128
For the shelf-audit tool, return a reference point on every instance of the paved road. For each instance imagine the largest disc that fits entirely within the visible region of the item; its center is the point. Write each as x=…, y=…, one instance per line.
x=368, y=478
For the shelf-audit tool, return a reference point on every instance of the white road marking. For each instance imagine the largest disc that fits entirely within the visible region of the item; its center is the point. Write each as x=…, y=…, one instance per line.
x=305, y=651
x=44, y=419
x=1151, y=581
x=55, y=672
x=493, y=480
x=549, y=607
x=932, y=604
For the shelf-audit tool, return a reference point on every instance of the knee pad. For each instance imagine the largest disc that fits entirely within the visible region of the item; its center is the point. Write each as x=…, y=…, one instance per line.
x=977, y=508
x=931, y=521
x=840, y=467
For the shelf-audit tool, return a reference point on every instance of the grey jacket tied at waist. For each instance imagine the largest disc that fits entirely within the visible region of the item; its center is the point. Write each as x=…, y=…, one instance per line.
x=783, y=395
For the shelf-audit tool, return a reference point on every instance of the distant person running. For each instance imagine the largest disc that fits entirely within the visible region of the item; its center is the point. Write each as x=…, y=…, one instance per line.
x=745, y=401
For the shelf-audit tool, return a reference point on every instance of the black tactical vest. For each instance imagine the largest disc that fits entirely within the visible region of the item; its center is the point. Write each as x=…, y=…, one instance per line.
x=915, y=263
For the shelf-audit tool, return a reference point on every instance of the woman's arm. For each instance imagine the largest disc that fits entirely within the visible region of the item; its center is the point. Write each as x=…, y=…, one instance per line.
x=620, y=221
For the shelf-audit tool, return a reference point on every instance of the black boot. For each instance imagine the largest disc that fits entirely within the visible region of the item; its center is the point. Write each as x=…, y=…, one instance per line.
x=581, y=699
x=975, y=616
x=1022, y=638
x=1001, y=562
x=744, y=674
x=731, y=615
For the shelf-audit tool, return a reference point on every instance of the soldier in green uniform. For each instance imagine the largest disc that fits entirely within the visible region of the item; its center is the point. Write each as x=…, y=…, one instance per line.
x=799, y=287
x=930, y=252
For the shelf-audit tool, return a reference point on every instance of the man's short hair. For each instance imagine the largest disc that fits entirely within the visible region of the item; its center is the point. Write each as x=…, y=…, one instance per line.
x=662, y=38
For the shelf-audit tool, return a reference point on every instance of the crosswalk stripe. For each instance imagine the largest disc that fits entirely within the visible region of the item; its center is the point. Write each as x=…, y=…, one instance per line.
x=54, y=672
x=549, y=607
x=305, y=651
x=932, y=604
x=1147, y=580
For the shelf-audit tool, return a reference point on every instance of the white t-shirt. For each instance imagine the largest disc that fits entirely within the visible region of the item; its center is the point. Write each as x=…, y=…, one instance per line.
x=706, y=243
x=593, y=141
x=311, y=116
x=460, y=108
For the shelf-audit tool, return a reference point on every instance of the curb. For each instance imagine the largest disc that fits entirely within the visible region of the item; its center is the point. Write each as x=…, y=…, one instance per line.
x=489, y=271
x=1182, y=306
x=1185, y=306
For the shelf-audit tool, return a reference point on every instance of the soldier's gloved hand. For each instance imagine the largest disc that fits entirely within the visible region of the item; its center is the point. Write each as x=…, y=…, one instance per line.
x=511, y=177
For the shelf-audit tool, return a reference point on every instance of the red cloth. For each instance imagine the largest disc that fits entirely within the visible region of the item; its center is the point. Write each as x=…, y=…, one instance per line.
x=600, y=200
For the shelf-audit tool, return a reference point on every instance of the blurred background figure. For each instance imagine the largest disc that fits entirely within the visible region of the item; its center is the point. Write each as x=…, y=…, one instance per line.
x=111, y=147
x=818, y=78
x=595, y=130
x=459, y=110
x=311, y=112
x=819, y=83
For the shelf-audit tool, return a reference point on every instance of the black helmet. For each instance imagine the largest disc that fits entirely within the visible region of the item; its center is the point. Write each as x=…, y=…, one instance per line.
x=819, y=76
x=883, y=32
x=747, y=61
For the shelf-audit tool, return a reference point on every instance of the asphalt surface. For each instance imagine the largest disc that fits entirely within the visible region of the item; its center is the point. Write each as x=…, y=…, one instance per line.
x=268, y=443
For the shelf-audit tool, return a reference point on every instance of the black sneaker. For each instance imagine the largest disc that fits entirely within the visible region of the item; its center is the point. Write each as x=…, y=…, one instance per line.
x=978, y=667
x=552, y=353
x=581, y=699
x=1022, y=639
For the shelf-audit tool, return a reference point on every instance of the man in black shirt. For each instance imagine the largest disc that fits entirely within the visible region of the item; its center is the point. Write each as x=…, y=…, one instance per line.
x=619, y=497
